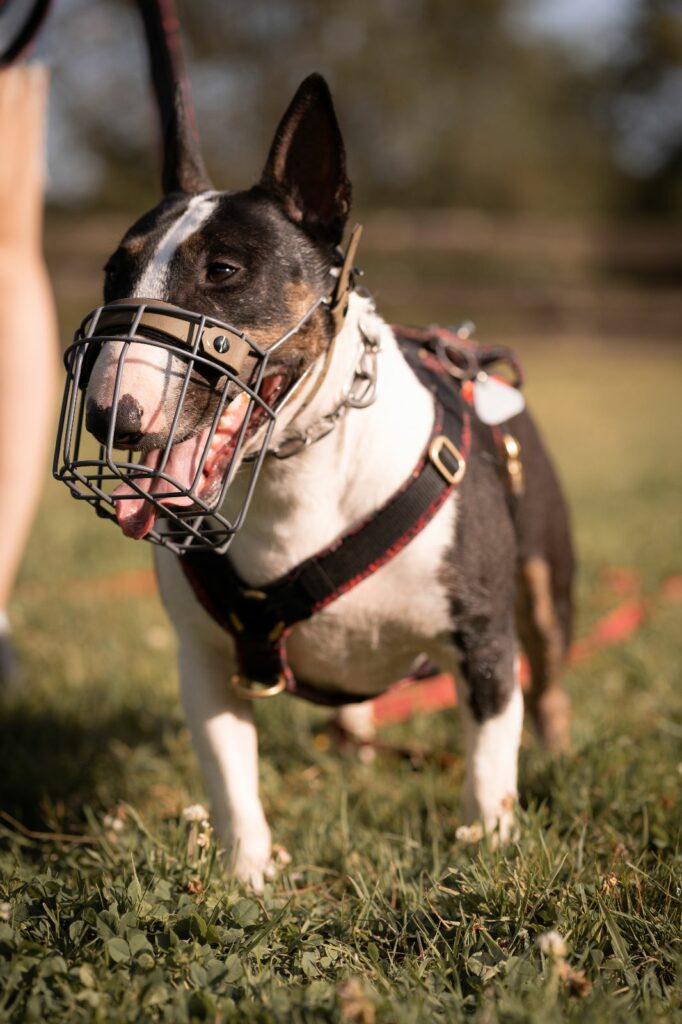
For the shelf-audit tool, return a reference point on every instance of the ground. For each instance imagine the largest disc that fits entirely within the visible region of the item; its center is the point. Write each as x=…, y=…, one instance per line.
x=383, y=914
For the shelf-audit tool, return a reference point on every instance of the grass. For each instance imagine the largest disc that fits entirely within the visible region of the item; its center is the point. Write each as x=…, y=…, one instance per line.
x=382, y=914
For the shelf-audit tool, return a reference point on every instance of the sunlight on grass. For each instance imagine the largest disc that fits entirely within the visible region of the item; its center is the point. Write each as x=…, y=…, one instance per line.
x=382, y=915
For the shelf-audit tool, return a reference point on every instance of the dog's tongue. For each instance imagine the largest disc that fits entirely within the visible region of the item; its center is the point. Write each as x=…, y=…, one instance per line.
x=135, y=514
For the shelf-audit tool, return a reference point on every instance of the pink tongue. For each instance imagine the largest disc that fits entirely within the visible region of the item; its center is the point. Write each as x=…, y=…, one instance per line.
x=135, y=515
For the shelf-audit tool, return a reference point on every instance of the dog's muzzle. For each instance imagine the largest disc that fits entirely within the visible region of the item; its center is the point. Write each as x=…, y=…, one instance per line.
x=173, y=495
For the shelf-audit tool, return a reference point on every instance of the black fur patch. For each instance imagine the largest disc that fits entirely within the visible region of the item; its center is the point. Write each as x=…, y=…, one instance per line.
x=480, y=576
x=496, y=535
x=280, y=273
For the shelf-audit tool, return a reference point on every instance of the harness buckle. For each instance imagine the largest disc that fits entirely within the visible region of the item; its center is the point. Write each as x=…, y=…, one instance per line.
x=443, y=443
x=252, y=689
x=512, y=454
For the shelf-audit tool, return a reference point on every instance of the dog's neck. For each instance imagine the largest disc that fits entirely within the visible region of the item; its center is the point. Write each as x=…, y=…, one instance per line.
x=302, y=503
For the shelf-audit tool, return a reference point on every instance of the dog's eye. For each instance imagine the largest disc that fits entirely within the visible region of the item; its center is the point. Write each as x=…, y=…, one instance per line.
x=110, y=272
x=219, y=272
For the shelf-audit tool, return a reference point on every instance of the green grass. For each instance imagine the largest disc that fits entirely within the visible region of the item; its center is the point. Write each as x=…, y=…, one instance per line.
x=382, y=915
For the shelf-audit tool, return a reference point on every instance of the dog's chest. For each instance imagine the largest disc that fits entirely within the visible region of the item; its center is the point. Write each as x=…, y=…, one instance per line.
x=368, y=638
x=364, y=640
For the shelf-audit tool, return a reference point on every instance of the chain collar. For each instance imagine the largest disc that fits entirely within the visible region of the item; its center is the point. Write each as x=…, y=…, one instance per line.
x=360, y=393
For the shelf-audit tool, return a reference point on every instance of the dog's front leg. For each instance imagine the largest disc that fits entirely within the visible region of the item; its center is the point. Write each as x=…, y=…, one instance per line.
x=224, y=735
x=491, y=708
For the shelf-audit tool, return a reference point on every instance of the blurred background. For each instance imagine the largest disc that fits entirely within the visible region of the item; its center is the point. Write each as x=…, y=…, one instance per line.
x=515, y=161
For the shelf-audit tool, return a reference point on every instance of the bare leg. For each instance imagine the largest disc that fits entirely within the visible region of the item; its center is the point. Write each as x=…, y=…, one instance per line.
x=27, y=324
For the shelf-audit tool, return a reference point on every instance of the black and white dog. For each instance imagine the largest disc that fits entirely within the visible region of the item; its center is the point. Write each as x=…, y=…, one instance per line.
x=477, y=578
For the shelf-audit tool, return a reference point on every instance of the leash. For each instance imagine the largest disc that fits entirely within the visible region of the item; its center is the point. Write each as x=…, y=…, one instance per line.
x=438, y=692
x=20, y=22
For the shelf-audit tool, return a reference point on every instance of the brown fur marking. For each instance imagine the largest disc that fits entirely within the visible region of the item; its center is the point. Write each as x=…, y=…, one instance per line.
x=542, y=639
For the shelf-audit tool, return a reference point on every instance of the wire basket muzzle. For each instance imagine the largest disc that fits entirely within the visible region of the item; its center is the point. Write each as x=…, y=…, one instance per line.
x=172, y=499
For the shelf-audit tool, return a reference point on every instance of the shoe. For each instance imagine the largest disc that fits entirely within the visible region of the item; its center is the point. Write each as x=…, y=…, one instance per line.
x=9, y=669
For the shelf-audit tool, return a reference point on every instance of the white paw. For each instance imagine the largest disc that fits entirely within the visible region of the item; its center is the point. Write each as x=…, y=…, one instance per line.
x=251, y=866
x=498, y=821
x=248, y=854
x=357, y=719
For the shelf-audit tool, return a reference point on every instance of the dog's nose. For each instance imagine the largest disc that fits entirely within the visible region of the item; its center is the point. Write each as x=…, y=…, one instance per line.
x=127, y=431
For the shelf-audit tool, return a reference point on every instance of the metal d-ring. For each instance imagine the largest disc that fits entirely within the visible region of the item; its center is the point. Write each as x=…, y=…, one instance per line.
x=440, y=443
x=254, y=690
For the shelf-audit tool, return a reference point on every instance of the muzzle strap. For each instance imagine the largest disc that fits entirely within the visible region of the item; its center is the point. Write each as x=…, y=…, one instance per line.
x=222, y=343
x=345, y=282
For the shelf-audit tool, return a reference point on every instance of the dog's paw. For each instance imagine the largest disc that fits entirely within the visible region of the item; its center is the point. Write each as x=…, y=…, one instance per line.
x=251, y=866
x=355, y=723
x=247, y=853
x=255, y=860
x=496, y=823
x=502, y=824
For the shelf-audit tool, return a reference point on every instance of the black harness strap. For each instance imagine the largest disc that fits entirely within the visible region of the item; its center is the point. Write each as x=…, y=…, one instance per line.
x=260, y=619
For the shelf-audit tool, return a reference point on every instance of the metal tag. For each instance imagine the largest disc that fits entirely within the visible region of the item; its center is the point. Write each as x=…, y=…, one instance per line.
x=496, y=402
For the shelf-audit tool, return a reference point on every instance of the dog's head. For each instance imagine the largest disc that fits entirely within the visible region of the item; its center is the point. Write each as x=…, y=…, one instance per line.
x=256, y=259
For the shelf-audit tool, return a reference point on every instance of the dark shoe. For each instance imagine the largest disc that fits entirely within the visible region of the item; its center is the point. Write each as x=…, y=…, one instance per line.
x=9, y=669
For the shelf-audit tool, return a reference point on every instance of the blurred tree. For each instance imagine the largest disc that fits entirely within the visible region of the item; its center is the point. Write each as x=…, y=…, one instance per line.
x=645, y=107
x=442, y=102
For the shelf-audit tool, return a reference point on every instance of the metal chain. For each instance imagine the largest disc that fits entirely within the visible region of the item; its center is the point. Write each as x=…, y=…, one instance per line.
x=360, y=393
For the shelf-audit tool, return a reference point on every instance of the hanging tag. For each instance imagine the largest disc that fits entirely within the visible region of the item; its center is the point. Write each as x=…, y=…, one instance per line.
x=496, y=402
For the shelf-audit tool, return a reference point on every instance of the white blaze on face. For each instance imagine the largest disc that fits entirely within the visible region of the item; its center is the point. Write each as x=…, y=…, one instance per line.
x=148, y=371
x=153, y=281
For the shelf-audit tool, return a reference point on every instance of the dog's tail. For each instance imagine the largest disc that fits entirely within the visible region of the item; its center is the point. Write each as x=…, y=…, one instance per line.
x=183, y=164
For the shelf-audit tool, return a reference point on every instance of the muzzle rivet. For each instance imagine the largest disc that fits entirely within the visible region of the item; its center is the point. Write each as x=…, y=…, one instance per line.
x=221, y=344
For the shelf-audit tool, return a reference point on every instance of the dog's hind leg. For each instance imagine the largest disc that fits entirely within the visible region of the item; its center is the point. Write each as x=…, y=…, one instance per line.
x=544, y=633
x=545, y=579
x=224, y=735
x=357, y=721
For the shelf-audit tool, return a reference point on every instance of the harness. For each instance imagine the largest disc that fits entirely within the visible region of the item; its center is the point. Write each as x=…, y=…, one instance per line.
x=261, y=619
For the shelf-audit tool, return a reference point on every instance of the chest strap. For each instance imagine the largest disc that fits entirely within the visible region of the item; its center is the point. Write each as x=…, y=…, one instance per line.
x=261, y=619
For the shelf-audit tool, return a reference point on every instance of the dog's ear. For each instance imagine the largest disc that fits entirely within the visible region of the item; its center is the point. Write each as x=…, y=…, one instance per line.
x=306, y=168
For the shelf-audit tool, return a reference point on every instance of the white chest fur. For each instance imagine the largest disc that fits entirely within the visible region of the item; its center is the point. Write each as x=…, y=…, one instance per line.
x=368, y=637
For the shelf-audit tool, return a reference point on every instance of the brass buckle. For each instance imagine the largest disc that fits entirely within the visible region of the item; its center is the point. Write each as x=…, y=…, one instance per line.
x=435, y=449
x=512, y=452
x=253, y=690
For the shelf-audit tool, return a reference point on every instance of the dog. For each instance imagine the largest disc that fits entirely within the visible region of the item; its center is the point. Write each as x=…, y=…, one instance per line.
x=482, y=575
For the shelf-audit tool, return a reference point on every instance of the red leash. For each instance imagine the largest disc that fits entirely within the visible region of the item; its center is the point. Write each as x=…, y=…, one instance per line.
x=422, y=696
